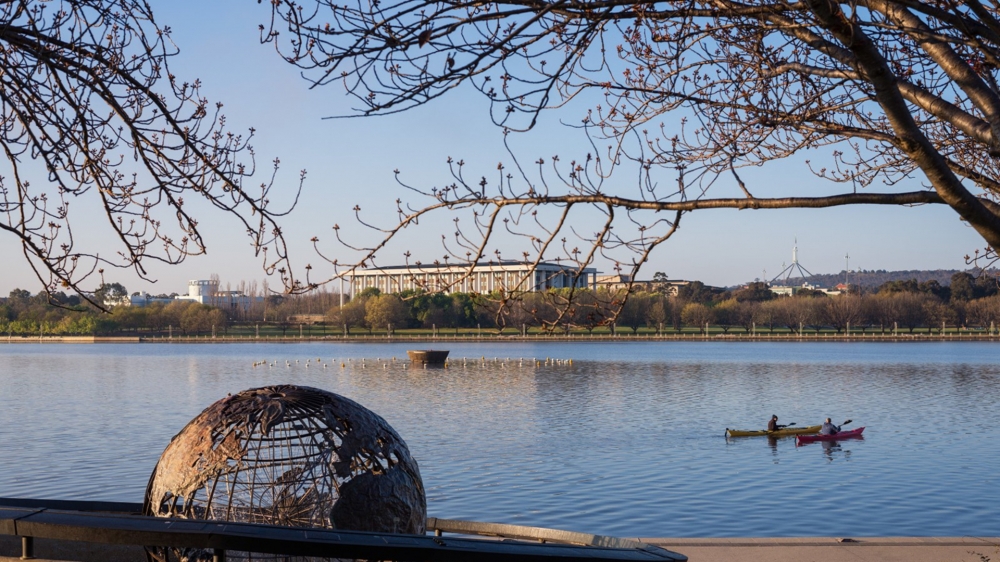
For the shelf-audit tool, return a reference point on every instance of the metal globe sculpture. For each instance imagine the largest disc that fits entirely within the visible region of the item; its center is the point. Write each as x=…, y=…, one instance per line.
x=290, y=455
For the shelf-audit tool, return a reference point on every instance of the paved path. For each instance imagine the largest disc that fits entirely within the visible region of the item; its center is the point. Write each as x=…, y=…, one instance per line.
x=822, y=549
x=809, y=549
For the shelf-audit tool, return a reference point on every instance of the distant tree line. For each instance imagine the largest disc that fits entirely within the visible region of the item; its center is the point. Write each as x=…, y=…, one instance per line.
x=905, y=305
x=968, y=301
x=57, y=314
x=872, y=279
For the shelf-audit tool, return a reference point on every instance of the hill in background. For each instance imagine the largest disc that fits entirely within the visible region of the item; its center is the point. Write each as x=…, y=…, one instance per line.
x=873, y=278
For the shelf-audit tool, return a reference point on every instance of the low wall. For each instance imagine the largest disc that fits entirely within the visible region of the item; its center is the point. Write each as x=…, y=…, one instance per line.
x=70, y=339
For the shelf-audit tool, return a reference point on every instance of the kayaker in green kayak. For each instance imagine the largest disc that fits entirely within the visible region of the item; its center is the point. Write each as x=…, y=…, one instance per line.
x=828, y=428
x=773, y=424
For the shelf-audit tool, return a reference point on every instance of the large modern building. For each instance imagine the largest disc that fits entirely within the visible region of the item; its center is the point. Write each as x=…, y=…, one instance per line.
x=485, y=277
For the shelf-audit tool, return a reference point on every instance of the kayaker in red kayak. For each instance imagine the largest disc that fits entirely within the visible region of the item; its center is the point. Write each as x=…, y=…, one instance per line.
x=828, y=428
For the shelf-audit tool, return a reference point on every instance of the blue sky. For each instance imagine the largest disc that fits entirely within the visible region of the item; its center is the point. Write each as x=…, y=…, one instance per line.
x=351, y=162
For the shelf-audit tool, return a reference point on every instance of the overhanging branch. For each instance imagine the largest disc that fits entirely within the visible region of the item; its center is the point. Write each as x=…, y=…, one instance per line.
x=908, y=198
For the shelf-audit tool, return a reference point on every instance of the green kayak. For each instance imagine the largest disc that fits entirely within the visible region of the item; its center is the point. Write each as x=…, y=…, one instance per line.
x=785, y=431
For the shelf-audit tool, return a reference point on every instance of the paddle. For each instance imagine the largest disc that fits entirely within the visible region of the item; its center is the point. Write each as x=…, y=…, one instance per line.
x=786, y=425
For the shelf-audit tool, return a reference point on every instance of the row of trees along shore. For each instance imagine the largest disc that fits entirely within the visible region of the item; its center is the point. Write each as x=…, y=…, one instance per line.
x=968, y=302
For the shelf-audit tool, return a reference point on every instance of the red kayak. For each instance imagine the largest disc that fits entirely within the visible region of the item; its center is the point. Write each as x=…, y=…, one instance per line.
x=800, y=439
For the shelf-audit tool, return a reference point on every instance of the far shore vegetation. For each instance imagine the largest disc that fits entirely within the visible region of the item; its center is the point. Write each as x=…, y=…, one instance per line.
x=897, y=307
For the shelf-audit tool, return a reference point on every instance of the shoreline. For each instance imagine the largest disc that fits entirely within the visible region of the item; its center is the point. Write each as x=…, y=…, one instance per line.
x=580, y=338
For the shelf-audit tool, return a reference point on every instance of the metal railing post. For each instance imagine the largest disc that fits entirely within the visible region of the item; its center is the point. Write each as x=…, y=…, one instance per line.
x=27, y=548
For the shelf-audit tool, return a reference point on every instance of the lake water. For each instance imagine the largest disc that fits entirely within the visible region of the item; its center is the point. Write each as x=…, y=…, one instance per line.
x=626, y=440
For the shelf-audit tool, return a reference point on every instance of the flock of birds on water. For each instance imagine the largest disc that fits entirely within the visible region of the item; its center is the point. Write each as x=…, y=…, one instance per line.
x=386, y=362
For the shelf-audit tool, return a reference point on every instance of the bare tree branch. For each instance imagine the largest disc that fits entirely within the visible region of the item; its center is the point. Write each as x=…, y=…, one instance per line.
x=881, y=91
x=89, y=107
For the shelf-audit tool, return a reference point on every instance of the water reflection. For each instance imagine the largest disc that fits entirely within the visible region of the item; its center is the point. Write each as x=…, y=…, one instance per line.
x=772, y=442
x=415, y=366
x=776, y=446
x=833, y=449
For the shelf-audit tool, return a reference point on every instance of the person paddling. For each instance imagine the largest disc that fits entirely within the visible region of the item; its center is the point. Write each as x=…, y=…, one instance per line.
x=828, y=428
x=773, y=424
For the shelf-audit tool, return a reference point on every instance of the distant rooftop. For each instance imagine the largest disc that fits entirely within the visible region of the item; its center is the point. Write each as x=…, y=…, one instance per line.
x=439, y=265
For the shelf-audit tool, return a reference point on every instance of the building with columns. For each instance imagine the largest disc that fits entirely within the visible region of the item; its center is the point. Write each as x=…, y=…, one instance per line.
x=485, y=277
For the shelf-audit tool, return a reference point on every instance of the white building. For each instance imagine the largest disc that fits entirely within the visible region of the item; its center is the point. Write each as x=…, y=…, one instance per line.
x=485, y=277
x=202, y=291
x=205, y=291
x=789, y=290
x=146, y=299
x=622, y=281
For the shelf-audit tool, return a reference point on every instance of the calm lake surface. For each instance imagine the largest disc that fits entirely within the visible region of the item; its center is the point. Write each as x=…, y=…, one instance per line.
x=628, y=440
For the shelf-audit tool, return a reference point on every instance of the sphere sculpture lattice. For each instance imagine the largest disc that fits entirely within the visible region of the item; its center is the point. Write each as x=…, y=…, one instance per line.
x=290, y=455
